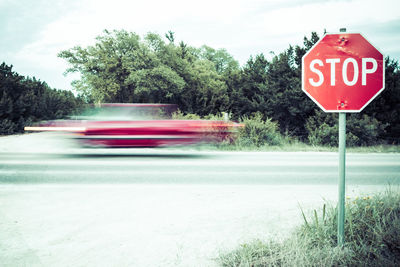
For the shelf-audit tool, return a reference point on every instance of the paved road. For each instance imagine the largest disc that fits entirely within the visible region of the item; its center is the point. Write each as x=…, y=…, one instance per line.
x=63, y=206
x=176, y=166
x=44, y=158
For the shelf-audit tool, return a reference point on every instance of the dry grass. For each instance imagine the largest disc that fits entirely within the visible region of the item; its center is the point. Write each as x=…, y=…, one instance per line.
x=372, y=238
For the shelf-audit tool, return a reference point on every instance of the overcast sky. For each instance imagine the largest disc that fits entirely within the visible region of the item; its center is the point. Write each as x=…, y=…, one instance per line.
x=33, y=32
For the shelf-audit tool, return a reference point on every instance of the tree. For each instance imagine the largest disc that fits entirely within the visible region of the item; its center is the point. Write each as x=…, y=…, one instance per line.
x=170, y=36
x=206, y=91
x=286, y=102
x=158, y=85
x=274, y=89
x=25, y=100
x=251, y=93
x=386, y=107
x=222, y=60
x=106, y=66
x=121, y=67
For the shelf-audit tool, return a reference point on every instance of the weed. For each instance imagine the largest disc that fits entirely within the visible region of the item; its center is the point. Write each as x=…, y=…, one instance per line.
x=372, y=238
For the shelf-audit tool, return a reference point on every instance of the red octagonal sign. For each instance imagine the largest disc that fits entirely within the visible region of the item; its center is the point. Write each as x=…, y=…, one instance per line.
x=343, y=72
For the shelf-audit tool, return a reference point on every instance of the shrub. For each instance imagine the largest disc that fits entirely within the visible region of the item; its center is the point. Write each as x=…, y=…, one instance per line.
x=365, y=130
x=7, y=126
x=258, y=132
x=362, y=130
x=178, y=115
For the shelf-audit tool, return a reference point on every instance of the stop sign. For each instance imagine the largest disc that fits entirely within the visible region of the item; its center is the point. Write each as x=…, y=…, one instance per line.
x=343, y=72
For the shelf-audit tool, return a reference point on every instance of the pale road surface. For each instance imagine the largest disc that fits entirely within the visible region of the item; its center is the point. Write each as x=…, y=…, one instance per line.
x=65, y=206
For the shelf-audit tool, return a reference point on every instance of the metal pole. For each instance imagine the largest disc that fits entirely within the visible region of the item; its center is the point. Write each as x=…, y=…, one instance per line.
x=342, y=177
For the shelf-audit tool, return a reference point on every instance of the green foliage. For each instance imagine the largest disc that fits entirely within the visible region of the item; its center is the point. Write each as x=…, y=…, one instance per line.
x=386, y=107
x=180, y=116
x=362, y=130
x=372, y=238
x=122, y=67
x=106, y=66
x=157, y=85
x=274, y=89
x=258, y=132
x=7, y=126
x=24, y=100
x=286, y=102
x=251, y=88
x=223, y=61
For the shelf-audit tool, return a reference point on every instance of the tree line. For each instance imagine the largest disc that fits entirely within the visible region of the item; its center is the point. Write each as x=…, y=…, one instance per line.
x=24, y=100
x=122, y=67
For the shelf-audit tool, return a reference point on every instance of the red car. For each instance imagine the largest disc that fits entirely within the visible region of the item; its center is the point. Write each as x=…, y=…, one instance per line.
x=138, y=125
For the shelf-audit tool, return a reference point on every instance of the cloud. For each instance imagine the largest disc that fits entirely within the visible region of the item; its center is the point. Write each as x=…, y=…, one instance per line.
x=244, y=28
x=226, y=23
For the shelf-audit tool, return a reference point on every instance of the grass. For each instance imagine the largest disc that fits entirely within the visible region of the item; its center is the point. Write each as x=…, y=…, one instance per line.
x=376, y=149
x=372, y=238
x=298, y=146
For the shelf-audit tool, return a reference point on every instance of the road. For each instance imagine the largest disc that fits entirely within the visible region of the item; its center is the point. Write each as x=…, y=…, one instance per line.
x=196, y=167
x=65, y=206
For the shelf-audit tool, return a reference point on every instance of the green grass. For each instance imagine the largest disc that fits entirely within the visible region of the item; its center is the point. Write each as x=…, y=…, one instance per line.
x=376, y=149
x=372, y=238
x=298, y=146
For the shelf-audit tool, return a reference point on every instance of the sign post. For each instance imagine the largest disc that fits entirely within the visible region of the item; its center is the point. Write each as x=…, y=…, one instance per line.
x=343, y=73
x=342, y=177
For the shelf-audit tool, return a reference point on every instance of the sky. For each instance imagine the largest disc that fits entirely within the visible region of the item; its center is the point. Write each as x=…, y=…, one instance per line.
x=34, y=32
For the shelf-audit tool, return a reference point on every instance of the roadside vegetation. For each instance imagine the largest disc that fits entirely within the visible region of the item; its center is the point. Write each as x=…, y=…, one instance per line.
x=372, y=238
x=265, y=94
x=258, y=134
x=24, y=100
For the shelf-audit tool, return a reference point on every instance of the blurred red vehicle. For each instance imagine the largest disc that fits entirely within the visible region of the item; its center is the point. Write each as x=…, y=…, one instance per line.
x=138, y=125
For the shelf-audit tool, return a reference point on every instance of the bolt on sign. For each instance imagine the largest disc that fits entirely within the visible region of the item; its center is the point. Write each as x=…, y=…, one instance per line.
x=343, y=72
